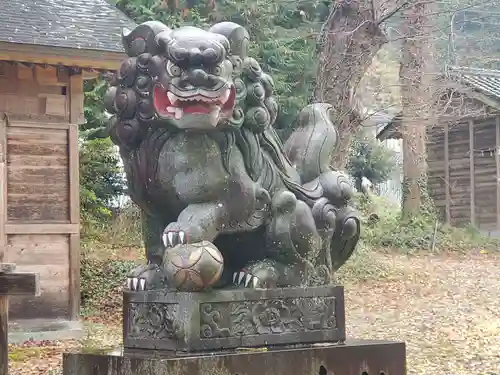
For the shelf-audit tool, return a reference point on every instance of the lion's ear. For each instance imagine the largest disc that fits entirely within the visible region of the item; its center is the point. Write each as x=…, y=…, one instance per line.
x=238, y=37
x=143, y=38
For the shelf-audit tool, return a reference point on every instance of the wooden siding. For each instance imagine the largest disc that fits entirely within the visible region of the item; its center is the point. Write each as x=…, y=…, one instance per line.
x=47, y=254
x=459, y=172
x=463, y=170
x=37, y=176
x=485, y=181
x=436, y=169
x=39, y=222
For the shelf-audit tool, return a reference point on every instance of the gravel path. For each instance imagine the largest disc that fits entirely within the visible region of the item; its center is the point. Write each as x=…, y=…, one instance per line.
x=446, y=309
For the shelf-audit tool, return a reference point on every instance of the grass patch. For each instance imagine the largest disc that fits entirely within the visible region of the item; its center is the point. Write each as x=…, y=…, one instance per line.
x=364, y=265
x=24, y=354
x=124, y=229
x=390, y=232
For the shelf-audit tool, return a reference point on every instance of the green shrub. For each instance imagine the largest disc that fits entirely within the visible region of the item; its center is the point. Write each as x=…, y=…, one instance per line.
x=126, y=228
x=391, y=232
x=370, y=158
x=101, y=284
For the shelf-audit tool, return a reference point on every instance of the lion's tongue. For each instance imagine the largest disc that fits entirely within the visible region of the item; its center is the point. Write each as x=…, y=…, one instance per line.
x=196, y=108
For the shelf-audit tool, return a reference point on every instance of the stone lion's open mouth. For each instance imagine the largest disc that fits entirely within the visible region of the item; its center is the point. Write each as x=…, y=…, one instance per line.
x=168, y=104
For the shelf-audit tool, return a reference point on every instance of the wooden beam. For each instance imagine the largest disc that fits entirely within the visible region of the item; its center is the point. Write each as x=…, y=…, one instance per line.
x=63, y=75
x=61, y=56
x=42, y=228
x=447, y=174
x=497, y=162
x=24, y=72
x=46, y=76
x=471, y=174
x=39, y=125
x=76, y=96
x=74, y=276
x=19, y=284
x=76, y=116
x=3, y=185
x=86, y=75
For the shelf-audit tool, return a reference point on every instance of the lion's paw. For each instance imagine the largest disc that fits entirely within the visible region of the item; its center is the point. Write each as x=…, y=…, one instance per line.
x=146, y=277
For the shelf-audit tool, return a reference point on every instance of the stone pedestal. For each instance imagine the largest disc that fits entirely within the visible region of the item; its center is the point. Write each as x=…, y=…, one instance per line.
x=229, y=319
x=351, y=358
x=243, y=331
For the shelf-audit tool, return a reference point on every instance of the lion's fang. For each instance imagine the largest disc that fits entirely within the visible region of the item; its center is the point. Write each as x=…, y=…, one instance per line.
x=225, y=96
x=172, y=97
x=255, y=282
x=248, y=279
x=240, y=278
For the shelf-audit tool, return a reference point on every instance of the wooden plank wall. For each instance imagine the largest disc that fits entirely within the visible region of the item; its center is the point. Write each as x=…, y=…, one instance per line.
x=484, y=173
x=459, y=173
x=436, y=169
x=464, y=171
x=37, y=182
x=41, y=108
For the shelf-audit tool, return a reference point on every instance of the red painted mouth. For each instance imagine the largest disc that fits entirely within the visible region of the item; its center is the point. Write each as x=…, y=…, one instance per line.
x=167, y=104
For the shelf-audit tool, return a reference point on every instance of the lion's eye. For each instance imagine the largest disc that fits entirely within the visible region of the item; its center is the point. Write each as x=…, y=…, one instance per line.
x=217, y=70
x=173, y=69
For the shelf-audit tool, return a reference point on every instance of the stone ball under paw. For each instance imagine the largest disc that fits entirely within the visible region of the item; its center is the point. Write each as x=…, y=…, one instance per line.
x=193, y=267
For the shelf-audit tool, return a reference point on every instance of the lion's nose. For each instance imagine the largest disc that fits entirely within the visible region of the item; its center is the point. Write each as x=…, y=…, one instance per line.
x=198, y=77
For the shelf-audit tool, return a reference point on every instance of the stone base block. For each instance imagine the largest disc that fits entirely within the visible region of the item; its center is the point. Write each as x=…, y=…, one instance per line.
x=229, y=319
x=353, y=358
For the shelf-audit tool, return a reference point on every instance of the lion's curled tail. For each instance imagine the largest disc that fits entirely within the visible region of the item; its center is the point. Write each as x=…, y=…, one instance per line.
x=310, y=146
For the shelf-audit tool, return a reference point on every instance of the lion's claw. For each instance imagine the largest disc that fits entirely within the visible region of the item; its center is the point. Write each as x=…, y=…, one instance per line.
x=243, y=278
x=136, y=284
x=174, y=238
x=144, y=278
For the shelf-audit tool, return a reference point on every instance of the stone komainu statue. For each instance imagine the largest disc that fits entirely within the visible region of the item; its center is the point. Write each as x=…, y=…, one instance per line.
x=193, y=119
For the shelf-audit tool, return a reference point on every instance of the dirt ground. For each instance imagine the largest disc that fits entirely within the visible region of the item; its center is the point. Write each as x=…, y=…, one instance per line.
x=446, y=308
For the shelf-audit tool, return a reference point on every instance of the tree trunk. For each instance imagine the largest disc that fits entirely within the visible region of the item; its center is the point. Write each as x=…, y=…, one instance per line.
x=416, y=76
x=349, y=41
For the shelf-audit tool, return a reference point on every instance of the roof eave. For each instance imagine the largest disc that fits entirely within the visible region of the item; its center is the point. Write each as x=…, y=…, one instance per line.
x=74, y=57
x=390, y=131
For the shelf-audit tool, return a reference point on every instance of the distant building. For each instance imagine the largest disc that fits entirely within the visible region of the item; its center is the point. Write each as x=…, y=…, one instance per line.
x=463, y=148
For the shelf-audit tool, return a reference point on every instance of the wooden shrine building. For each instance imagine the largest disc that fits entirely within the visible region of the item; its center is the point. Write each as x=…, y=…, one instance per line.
x=47, y=49
x=463, y=148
